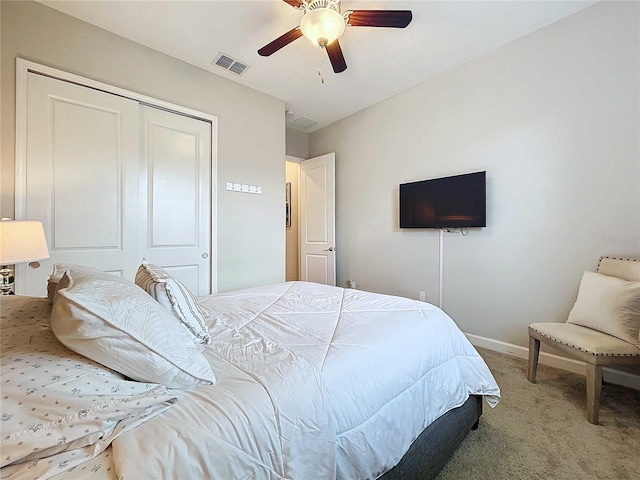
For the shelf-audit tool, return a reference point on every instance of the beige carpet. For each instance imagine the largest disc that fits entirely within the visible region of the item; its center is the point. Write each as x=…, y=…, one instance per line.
x=540, y=431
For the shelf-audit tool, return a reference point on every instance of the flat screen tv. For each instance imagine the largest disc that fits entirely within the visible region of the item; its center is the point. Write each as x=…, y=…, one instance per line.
x=448, y=202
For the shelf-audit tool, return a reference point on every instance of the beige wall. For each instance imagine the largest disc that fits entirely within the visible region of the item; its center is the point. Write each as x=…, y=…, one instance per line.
x=292, y=236
x=297, y=143
x=554, y=120
x=251, y=128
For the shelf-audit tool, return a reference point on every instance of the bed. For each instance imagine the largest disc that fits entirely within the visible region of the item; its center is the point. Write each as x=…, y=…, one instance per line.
x=299, y=381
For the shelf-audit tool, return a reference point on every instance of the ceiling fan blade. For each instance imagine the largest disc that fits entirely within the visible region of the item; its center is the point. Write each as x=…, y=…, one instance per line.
x=294, y=3
x=335, y=55
x=379, y=18
x=281, y=41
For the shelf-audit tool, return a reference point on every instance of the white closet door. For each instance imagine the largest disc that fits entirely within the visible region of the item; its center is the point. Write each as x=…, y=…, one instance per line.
x=81, y=178
x=175, y=196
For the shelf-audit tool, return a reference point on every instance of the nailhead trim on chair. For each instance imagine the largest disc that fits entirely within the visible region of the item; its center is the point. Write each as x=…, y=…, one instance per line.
x=616, y=258
x=587, y=351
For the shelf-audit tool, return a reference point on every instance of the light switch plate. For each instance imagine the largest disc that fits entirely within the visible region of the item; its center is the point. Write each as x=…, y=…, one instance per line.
x=243, y=187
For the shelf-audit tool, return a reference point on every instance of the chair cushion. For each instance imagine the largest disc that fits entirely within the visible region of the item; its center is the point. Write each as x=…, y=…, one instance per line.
x=586, y=339
x=610, y=305
x=625, y=268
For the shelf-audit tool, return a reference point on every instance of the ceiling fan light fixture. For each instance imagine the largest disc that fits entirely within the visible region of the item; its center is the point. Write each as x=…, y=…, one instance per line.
x=322, y=26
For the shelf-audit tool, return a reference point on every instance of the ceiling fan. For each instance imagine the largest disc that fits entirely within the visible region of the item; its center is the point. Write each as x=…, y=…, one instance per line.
x=323, y=24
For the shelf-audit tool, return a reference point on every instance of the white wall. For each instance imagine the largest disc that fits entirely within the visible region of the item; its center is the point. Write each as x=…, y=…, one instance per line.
x=251, y=127
x=554, y=120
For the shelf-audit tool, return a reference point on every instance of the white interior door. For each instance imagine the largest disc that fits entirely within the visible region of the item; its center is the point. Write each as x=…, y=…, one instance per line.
x=175, y=221
x=81, y=178
x=317, y=220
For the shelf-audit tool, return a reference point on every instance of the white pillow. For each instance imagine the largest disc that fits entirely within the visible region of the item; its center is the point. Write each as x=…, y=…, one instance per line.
x=610, y=305
x=175, y=296
x=58, y=272
x=114, y=322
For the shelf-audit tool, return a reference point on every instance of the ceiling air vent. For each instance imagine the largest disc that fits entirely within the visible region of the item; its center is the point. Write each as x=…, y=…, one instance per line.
x=303, y=123
x=229, y=63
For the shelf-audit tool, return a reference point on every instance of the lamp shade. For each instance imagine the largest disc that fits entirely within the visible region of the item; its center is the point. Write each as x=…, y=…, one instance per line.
x=22, y=241
x=322, y=26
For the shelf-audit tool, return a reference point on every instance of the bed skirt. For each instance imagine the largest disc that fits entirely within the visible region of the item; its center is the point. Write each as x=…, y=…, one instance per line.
x=432, y=449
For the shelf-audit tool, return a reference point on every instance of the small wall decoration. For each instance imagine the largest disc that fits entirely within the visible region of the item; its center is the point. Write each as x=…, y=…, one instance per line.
x=288, y=203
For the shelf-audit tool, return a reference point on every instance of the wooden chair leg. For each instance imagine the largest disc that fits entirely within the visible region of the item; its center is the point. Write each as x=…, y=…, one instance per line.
x=534, y=352
x=594, y=390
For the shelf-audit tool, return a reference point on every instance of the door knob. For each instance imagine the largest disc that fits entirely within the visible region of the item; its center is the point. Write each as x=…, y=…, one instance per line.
x=205, y=255
x=330, y=249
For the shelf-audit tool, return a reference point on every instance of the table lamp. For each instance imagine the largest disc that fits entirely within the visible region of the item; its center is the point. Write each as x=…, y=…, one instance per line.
x=21, y=241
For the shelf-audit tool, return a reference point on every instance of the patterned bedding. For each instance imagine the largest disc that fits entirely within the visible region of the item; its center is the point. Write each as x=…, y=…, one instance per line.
x=60, y=409
x=311, y=382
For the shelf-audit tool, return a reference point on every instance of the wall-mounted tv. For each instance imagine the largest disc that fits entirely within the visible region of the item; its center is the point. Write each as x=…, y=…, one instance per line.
x=448, y=202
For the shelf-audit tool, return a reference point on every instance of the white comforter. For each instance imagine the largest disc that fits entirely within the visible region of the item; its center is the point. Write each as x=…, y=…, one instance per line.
x=314, y=382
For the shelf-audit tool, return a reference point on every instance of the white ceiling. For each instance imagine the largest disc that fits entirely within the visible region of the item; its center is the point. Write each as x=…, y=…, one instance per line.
x=381, y=61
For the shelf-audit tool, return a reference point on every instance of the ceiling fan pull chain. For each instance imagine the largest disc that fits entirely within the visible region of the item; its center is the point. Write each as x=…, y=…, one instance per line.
x=321, y=76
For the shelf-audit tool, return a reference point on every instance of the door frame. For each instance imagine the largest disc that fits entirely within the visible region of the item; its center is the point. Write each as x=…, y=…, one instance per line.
x=298, y=160
x=24, y=67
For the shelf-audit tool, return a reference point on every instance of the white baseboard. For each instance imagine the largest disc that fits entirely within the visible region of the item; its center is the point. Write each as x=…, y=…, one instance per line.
x=612, y=376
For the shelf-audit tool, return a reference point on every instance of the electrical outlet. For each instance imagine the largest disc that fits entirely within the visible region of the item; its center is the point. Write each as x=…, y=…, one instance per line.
x=422, y=296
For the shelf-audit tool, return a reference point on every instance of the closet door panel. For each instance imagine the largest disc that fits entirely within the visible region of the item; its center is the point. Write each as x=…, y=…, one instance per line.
x=91, y=159
x=174, y=187
x=175, y=195
x=81, y=178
